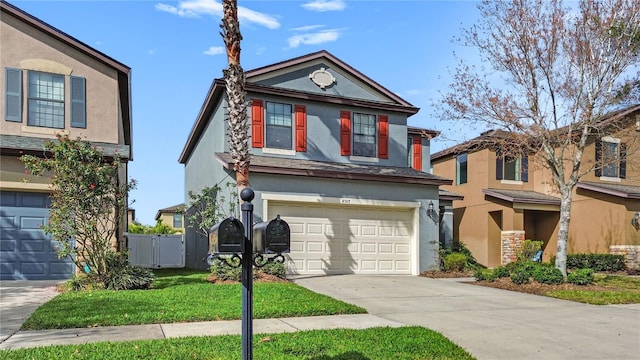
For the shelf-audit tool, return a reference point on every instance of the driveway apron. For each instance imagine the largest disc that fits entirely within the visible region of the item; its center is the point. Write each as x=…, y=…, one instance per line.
x=491, y=323
x=20, y=298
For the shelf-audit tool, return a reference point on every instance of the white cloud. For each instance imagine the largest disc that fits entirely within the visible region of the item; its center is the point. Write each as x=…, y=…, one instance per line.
x=214, y=50
x=195, y=8
x=307, y=28
x=325, y=5
x=314, y=38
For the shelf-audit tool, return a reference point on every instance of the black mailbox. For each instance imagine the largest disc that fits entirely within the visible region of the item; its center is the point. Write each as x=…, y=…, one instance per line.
x=227, y=237
x=272, y=237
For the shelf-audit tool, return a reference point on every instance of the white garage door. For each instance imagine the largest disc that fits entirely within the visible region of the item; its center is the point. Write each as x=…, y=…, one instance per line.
x=336, y=239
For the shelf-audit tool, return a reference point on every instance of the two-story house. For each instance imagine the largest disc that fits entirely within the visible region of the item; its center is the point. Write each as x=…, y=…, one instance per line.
x=509, y=199
x=172, y=216
x=51, y=84
x=331, y=153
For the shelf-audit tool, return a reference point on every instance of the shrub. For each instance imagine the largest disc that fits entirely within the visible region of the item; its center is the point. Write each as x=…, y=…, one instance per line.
x=501, y=272
x=548, y=275
x=581, y=277
x=520, y=276
x=528, y=250
x=485, y=275
x=276, y=269
x=80, y=282
x=455, y=262
x=121, y=275
x=459, y=248
x=596, y=262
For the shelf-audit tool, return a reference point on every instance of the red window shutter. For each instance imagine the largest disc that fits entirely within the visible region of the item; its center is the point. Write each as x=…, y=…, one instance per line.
x=383, y=136
x=257, y=123
x=345, y=133
x=417, y=153
x=301, y=127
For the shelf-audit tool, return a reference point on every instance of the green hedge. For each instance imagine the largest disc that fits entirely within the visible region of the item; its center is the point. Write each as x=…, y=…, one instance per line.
x=597, y=262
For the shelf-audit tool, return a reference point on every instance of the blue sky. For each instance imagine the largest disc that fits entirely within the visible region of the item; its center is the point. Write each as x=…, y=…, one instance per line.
x=175, y=51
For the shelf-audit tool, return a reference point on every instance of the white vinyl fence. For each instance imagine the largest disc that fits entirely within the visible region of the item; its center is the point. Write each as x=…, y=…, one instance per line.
x=156, y=251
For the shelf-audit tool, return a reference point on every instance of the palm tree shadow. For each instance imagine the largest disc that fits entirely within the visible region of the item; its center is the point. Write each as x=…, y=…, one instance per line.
x=340, y=260
x=349, y=355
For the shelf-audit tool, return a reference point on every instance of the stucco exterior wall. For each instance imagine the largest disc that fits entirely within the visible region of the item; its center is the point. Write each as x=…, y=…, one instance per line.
x=25, y=48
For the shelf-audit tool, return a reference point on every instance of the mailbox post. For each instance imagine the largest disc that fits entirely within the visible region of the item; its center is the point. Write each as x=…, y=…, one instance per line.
x=235, y=239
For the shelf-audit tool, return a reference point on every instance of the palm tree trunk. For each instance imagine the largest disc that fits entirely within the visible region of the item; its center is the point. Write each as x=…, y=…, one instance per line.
x=236, y=102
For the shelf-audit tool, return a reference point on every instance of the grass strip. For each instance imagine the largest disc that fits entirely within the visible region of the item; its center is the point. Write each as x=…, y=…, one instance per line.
x=181, y=297
x=374, y=343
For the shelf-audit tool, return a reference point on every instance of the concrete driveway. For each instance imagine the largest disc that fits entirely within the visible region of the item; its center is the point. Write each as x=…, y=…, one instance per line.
x=20, y=298
x=491, y=323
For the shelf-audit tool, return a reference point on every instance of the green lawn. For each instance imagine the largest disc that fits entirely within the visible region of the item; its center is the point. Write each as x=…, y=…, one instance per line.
x=375, y=343
x=181, y=296
x=616, y=290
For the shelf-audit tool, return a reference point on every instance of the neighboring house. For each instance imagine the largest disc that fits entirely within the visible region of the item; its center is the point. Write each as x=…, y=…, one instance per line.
x=330, y=155
x=172, y=216
x=51, y=84
x=509, y=199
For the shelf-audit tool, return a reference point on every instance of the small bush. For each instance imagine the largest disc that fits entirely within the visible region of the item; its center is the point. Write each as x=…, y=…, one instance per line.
x=121, y=275
x=485, y=275
x=501, y=272
x=80, y=282
x=455, y=262
x=275, y=269
x=520, y=276
x=459, y=248
x=548, y=275
x=528, y=250
x=580, y=277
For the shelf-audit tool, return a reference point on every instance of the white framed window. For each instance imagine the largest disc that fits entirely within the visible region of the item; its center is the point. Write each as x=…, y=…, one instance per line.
x=611, y=158
x=45, y=100
x=279, y=126
x=364, y=135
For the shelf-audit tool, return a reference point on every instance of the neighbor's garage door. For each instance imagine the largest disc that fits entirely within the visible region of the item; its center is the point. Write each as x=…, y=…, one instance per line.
x=26, y=252
x=334, y=239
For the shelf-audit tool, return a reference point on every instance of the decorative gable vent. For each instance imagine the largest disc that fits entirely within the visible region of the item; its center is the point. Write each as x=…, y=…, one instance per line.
x=322, y=78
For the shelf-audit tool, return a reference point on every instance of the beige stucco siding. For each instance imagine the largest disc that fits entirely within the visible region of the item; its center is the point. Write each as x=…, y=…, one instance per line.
x=28, y=49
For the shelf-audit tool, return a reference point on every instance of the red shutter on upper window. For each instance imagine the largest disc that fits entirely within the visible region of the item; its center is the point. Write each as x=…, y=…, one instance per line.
x=301, y=127
x=257, y=123
x=417, y=153
x=345, y=133
x=383, y=136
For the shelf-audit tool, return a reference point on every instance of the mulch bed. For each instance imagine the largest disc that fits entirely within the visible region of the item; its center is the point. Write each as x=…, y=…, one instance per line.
x=258, y=277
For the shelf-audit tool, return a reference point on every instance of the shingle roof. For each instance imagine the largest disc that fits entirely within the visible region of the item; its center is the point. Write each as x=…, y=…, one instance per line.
x=448, y=195
x=331, y=170
x=522, y=196
x=623, y=191
x=171, y=209
x=16, y=145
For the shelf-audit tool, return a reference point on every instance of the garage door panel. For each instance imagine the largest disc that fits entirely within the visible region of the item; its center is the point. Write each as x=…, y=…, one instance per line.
x=347, y=239
x=26, y=252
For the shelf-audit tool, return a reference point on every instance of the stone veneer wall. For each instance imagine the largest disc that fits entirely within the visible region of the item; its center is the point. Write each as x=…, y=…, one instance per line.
x=511, y=241
x=631, y=255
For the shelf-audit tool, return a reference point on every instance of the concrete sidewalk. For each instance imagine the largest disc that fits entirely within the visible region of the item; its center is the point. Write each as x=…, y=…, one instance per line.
x=24, y=339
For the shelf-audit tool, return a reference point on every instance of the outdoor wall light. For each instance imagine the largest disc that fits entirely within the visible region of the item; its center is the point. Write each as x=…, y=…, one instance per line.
x=635, y=221
x=431, y=212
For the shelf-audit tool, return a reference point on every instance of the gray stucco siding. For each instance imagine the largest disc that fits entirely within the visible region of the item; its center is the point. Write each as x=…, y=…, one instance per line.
x=202, y=169
x=343, y=86
x=323, y=133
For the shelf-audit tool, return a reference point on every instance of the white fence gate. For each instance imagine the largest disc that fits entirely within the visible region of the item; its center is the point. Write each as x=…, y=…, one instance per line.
x=156, y=251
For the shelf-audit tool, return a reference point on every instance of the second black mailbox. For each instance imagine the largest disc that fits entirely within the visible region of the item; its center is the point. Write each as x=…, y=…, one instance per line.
x=227, y=237
x=272, y=237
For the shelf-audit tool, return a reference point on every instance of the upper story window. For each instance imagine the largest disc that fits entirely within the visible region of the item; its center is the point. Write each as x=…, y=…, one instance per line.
x=177, y=221
x=512, y=168
x=277, y=126
x=279, y=130
x=47, y=99
x=364, y=135
x=461, y=169
x=611, y=158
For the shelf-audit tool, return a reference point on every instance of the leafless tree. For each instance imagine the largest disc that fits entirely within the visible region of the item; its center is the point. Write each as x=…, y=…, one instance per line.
x=550, y=74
